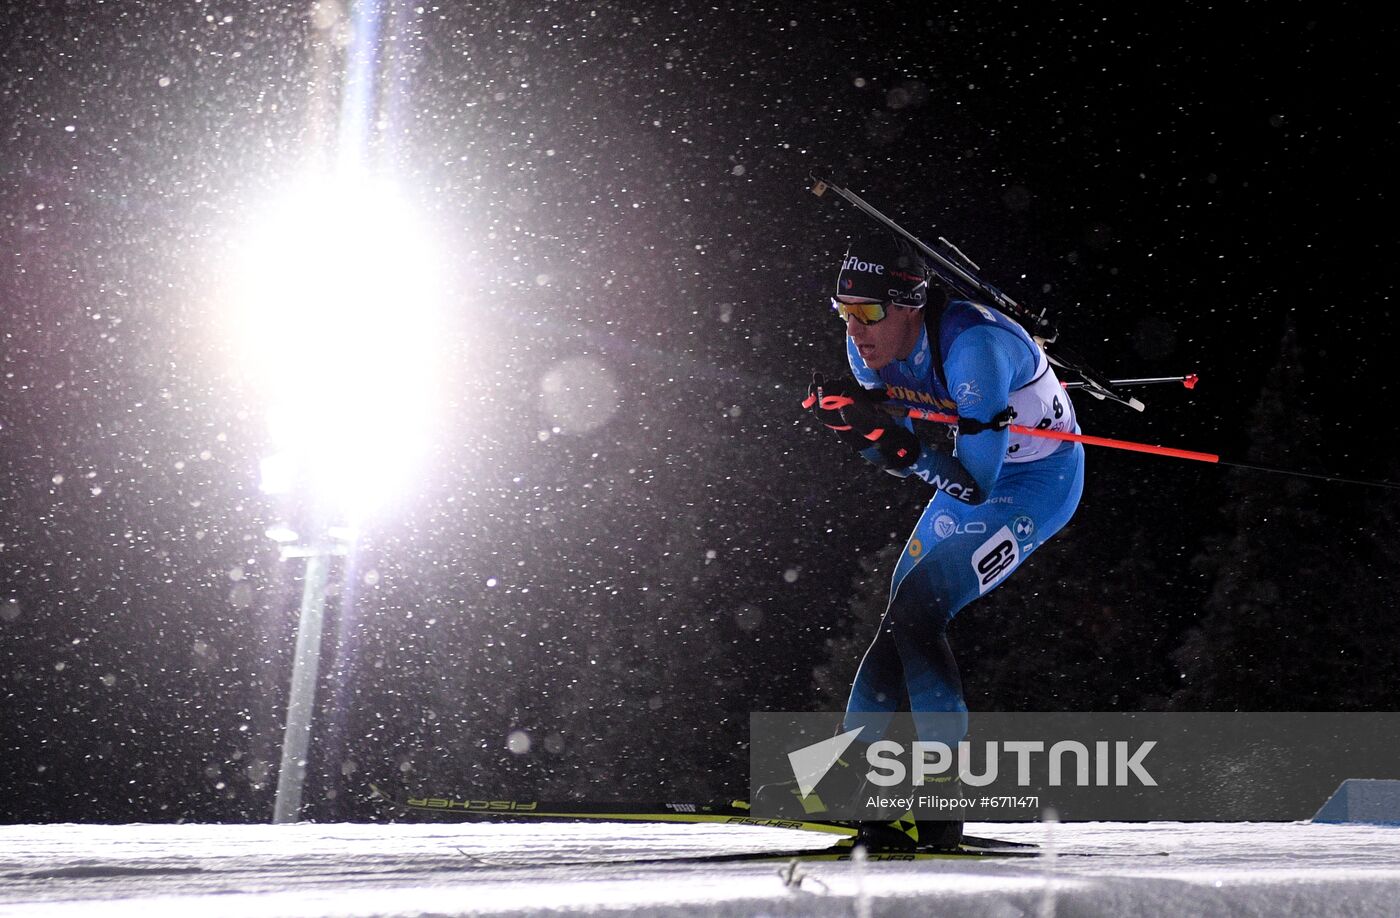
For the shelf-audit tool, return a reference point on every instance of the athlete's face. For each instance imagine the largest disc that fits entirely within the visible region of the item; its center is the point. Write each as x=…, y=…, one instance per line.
x=892, y=338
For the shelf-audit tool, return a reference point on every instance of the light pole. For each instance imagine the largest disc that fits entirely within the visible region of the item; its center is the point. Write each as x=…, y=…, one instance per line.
x=306, y=667
x=336, y=287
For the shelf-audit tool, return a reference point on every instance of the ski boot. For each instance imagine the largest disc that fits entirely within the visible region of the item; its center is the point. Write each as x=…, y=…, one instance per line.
x=884, y=835
x=938, y=834
x=909, y=834
x=842, y=785
x=941, y=834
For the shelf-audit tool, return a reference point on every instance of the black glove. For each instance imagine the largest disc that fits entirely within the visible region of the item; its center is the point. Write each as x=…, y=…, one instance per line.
x=854, y=413
x=826, y=399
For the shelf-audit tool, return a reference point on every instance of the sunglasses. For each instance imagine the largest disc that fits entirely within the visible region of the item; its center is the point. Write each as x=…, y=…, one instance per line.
x=864, y=313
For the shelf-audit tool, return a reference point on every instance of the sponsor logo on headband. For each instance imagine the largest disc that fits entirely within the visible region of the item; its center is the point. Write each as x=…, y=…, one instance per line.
x=852, y=263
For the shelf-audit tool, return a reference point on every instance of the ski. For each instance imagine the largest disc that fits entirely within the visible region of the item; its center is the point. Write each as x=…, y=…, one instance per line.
x=847, y=852
x=843, y=851
x=735, y=812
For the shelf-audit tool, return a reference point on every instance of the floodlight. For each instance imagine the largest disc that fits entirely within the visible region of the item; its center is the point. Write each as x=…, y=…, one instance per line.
x=337, y=313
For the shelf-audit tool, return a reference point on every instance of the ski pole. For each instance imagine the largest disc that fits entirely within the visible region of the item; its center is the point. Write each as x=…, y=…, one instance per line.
x=1129, y=445
x=1135, y=447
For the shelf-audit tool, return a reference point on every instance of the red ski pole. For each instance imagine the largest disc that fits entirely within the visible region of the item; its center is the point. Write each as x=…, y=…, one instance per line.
x=1129, y=445
x=1135, y=447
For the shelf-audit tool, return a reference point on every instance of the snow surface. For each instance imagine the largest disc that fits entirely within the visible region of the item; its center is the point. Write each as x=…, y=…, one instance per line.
x=1166, y=869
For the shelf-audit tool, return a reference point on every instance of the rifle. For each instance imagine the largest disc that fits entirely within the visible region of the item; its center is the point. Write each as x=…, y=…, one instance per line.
x=958, y=272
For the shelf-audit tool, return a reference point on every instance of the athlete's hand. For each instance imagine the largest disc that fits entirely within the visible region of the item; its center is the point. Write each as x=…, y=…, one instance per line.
x=854, y=412
x=898, y=447
x=825, y=399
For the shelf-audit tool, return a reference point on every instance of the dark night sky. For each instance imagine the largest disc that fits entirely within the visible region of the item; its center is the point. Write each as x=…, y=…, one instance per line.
x=620, y=191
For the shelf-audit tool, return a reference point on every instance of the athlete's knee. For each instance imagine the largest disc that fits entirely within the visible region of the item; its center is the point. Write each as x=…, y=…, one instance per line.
x=872, y=719
x=942, y=726
x=916, y=605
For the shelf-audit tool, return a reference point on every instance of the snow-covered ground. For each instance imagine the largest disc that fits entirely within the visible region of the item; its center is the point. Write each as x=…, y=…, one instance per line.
x=1165, y=869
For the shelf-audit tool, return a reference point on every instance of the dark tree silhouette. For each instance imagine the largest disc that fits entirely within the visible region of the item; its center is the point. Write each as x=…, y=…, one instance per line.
x=1298, y=591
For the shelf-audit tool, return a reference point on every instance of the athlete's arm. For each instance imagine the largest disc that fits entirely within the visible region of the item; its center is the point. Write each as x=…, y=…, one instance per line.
x=934, y=466
x=980, y=367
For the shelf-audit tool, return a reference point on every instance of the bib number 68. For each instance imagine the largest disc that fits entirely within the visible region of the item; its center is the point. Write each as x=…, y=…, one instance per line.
x=995, y=559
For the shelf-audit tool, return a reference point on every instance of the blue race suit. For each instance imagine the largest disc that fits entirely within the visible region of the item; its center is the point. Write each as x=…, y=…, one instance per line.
x=971, y=536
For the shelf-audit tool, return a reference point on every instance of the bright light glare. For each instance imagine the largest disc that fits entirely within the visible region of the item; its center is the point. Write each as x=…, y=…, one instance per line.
x=338, y=315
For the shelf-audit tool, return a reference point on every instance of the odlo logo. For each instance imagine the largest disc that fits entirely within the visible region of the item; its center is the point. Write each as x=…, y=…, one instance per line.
x=853, y=263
